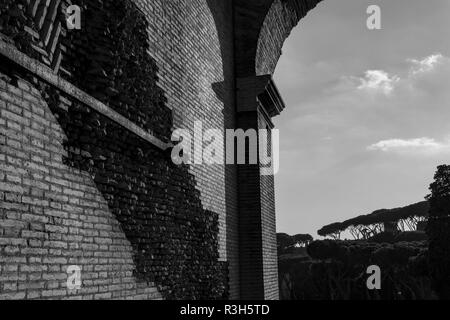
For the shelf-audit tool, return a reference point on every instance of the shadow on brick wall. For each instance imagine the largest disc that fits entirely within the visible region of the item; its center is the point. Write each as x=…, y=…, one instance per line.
x=175, y=241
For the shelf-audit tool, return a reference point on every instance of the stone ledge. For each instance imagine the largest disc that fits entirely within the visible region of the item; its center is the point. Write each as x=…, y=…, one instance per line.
x=271, y=98
x=38, y=69
x=262, y=87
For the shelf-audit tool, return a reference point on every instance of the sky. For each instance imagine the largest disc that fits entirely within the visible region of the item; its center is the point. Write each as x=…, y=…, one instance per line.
x=367, y=117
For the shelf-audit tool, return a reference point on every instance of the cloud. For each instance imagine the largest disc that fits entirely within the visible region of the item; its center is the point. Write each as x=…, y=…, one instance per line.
x=382, y=81
x=418, y=145
x=378, y=80
x=427, y=64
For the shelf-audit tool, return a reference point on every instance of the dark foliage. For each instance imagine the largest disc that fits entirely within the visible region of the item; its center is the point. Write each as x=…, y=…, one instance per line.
x=408, y=236
x=439, y=231
x=287, y=243
x=338, y=271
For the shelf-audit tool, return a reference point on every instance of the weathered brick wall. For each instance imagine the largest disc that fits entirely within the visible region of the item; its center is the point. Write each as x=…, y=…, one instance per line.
x=196, y=72
x=189, y=45
x=52, y=215
x=103, y=186
x=77, y=188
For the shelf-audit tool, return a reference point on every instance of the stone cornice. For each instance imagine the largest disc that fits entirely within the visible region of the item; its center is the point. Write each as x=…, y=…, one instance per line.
x=260, y=93
x=271, y=99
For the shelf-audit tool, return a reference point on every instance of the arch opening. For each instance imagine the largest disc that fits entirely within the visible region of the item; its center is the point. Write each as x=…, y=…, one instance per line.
x=351, y=139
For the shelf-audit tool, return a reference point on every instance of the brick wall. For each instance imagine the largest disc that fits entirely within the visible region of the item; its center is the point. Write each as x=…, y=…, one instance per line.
x=77, y=188
x=268, y=227
x=251, y=259
x=52, y=215
x=196, y=72
x=159, y=214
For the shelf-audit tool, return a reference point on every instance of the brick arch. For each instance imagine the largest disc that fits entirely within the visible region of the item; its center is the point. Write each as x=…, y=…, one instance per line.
x=282, y=18
x=261, y=29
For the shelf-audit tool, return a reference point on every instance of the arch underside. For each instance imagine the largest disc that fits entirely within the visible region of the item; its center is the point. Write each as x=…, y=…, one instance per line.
x=261, y=28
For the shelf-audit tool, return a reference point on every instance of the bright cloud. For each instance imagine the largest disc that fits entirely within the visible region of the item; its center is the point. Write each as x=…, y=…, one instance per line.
x=426, y=64
x=411, y=145
x=378, y=80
